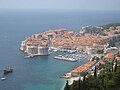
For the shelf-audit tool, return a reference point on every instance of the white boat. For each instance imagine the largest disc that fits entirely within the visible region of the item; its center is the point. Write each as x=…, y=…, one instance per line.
x=3, y=78
x=55, y=50
x=29, y=56
x=64, y=58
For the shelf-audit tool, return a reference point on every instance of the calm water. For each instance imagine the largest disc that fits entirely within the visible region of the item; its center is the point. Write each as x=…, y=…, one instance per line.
x=40, y=73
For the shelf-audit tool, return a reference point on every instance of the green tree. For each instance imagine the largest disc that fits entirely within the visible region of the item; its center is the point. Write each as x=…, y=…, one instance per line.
x=112, y=63
x=67, y=87
x=84, y=73
x=79, y=84
x=100, y=51
x=115, y=66
x=116, y=78
x=95, y=72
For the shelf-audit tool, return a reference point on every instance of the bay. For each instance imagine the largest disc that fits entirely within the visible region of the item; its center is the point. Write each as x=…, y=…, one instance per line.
x=42, y=72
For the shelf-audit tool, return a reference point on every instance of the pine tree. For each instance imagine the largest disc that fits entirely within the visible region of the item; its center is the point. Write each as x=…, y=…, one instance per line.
x=84, y=77
x=115, y=66
x=67, y=86
x=112, y=64
x=79, y=84
x=95, y=72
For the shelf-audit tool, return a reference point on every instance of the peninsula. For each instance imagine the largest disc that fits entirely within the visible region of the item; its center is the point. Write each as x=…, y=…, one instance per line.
x=90, y=39
x=101, y=43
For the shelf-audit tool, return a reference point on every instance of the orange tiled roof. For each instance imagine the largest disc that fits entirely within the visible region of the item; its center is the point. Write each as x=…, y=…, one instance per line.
x=102, y=63
x=117, y=58
x=29, y=42
x=109, y=56
x=83, y=67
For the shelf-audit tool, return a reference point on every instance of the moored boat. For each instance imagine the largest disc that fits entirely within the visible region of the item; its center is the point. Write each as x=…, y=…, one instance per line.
x=7, y=70
x=65, y=58
x=3, y=78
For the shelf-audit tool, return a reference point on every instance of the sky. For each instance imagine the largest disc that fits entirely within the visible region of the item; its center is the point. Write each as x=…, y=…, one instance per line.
x=61, y=4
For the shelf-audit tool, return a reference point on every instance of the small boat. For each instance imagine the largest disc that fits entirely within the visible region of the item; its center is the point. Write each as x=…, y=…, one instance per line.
x=55, y=50
x=29, y=56
x=3, y=78
x=7, y=70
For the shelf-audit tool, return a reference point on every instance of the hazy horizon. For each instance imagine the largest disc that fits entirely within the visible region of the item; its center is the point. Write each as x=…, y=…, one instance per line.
x=79, y=5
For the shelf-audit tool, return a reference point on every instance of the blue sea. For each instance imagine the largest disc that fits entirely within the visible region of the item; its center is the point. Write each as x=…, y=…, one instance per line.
x=42, y=72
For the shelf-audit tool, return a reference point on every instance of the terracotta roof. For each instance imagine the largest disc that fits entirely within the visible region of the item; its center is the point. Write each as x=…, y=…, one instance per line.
x=83, y=67
x=29, y=42
x=102, y=63
x=117, y=58
x=109, y=56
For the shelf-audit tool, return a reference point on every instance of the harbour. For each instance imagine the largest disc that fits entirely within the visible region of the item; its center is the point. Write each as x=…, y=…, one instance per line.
x=45, y=69
x=71, y=57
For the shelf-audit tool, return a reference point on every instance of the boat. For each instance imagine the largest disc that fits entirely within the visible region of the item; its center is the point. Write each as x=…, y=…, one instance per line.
x=29, y=56
x=55, y=50
x=7, y=70
x=3, y=78
x=65, y=58
x=72, y=51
